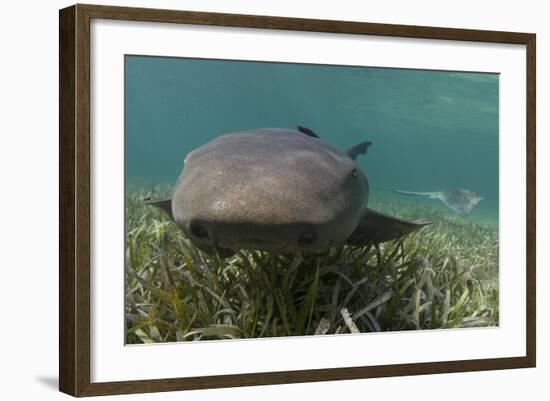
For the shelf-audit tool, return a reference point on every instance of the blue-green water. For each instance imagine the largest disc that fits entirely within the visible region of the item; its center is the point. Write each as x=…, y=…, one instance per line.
x=431, y=130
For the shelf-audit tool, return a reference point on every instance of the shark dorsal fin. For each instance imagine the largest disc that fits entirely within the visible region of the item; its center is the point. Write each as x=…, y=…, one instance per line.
x=307, y=131
x=360, y=148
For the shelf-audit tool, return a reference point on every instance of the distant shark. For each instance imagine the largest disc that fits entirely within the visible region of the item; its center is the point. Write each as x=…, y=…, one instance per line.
x=461, y=201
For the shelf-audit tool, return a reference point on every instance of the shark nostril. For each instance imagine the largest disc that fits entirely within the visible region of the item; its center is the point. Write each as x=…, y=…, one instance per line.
x=198, y=230
x=307, y=238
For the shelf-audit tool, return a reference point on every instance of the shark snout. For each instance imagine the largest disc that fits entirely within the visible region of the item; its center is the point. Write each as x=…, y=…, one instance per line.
x=292, y=238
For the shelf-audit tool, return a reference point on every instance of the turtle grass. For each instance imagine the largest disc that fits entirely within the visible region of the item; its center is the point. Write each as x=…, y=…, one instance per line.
x=444, y=276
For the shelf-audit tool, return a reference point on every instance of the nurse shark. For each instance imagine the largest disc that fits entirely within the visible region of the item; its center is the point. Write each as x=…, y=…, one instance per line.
x=277, y=190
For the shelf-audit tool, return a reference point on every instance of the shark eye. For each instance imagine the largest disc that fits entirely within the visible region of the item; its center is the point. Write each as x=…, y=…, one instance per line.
x=354, y=173
x=307, y=238
x=198, y=230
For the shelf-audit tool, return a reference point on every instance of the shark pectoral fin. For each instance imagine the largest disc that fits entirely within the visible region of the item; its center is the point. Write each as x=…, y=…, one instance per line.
x=375, y=227
x=165, y=204
x=360, y=148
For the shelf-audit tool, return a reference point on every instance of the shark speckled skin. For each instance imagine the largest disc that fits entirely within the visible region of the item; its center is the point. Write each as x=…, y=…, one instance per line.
x=277, y=190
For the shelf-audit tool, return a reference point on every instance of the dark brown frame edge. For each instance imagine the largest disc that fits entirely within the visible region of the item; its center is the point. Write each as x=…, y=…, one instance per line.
x=74, y=199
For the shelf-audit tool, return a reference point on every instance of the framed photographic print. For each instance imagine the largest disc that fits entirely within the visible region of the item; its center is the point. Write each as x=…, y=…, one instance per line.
x=251, y=200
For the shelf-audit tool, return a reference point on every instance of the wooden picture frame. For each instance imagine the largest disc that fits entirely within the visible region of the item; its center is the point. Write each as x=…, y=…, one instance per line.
x=74, y=200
